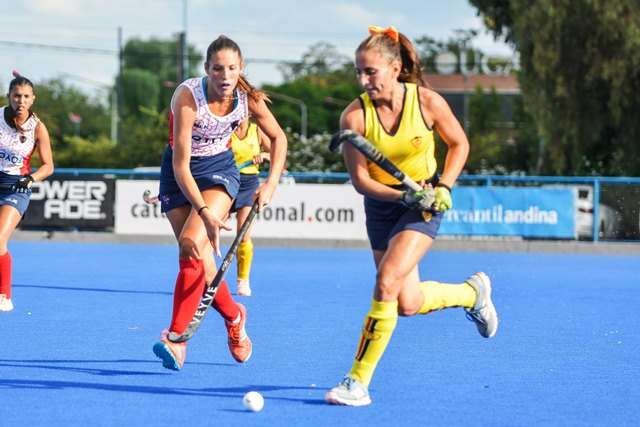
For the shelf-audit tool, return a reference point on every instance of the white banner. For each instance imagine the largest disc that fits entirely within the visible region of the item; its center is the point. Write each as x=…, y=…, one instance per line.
x=300, y=211
x=313, y=211
x=133, y=215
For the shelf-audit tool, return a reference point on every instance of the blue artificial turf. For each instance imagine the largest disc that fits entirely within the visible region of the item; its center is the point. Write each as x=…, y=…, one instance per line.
x=76, y=351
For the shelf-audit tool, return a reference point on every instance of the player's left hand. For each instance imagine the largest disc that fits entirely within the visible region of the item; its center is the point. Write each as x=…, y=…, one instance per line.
x=264, y=193
x=443, y=200
x=23, y=185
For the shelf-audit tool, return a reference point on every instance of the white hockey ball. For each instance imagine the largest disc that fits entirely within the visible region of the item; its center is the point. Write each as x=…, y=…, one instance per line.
x=253, y=401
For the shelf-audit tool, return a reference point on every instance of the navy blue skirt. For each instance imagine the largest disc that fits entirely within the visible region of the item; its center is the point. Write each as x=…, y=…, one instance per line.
x=208, y=172
x=249, y=183
x=8, y=196
x=386, y=219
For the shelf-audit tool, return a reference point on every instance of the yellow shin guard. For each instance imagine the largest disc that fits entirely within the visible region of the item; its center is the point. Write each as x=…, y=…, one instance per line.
x=245, y=257
x=376, y=333
x=443, y=295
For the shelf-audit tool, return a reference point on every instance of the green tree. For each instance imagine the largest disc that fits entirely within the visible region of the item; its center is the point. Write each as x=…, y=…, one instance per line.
x=140, y=88
x=312, y=154
x=484, y=114
x=57, y=103
x=523, y=149
x=324, y=81
x=428, y=51
x=161, y=59
x=580, y=76
x=320, y=59
x=80, y=152
x=143, y=145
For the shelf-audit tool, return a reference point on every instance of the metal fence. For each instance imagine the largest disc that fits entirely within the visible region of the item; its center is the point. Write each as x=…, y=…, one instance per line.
x=607, y=208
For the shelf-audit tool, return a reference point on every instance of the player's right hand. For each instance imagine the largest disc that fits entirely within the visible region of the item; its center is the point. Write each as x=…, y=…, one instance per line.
x=213, y=226
x=418, y=200
x=23, y=185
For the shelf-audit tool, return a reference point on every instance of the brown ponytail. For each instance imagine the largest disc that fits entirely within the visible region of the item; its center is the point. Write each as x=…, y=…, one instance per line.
x=402, y=50
x=254, y=93
x=411, y=68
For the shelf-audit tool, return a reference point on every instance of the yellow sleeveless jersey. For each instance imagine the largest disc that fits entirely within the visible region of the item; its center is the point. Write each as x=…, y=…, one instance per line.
x=411, y=148
x=245, y=149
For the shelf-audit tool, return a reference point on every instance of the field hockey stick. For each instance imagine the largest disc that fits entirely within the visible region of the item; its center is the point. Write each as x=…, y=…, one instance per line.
x=148, y=198
x=370, y=152
x=210, y=291
x=245, y=164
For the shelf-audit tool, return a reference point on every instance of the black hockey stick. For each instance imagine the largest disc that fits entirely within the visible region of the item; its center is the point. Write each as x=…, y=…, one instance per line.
x=210, y=291
x=370, y=152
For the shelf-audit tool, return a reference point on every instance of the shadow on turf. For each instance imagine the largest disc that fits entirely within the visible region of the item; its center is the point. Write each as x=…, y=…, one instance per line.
x=230, y=392
x=74, y=288
x=55, y=365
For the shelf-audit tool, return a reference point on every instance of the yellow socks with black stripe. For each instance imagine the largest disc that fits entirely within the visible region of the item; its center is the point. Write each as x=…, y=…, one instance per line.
x=245, y=258
x=443, y=295
x=376, y=333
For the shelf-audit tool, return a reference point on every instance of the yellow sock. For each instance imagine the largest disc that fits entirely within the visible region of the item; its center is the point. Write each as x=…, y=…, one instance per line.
x=245, y=257
x=376, y=333
x=442, y=295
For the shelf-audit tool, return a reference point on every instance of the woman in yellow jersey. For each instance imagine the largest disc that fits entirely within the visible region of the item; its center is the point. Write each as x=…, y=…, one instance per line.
x=397, y=113
x=247, y=143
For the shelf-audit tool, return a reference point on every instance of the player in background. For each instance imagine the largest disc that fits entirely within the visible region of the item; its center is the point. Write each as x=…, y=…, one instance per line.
x=21, y=133
x=397, y=113
x=248, y=144
x=198, y=182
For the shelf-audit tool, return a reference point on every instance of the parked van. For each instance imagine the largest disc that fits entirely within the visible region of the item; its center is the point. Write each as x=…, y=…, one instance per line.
x=610, y=221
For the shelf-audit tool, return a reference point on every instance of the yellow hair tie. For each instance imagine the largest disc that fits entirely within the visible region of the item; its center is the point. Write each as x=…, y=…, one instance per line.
x=390, y=32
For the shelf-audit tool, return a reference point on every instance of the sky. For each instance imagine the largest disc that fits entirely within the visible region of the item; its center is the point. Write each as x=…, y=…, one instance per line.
x=35, y=35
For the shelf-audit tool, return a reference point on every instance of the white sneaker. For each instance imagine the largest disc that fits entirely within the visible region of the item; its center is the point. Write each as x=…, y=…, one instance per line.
x=483, y=313
x=349, y=392
x=243, y=287
x=5, y=303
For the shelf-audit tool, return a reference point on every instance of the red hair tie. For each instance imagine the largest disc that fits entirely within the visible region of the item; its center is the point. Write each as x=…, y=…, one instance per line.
x=390, y=32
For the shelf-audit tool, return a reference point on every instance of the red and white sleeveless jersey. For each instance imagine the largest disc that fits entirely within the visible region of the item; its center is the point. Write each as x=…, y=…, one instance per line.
x=211, y=134
x=16, y=146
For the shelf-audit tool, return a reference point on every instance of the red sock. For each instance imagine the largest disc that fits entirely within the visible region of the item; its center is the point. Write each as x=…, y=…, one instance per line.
x=189, y=288
x=224, y=304
x=5, y=274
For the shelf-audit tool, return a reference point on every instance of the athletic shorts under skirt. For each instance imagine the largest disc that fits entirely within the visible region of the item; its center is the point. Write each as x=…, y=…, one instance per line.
x=208, y=172
x=386, y=219
x=248, y=185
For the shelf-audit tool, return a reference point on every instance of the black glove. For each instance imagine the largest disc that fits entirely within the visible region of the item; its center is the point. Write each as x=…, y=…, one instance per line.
x=418, y=200
x=23, y=185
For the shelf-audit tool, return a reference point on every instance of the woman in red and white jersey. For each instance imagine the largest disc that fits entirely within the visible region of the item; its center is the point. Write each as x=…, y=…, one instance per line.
x=21, y=133
x=199, y=181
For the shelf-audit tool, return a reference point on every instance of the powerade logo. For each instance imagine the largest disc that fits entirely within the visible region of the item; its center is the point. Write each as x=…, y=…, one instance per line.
x=301, y=213
x=71, y=199
x=9, y=157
